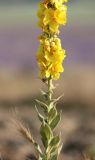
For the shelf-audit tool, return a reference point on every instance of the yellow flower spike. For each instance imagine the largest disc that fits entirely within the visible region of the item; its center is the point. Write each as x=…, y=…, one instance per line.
x=52, y=14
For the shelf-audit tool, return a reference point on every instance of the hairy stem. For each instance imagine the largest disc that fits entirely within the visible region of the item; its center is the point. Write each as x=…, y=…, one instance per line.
x=49, y=90
x=50, y=93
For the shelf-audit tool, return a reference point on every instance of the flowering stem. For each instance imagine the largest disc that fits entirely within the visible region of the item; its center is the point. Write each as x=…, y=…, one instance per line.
x=50, y=57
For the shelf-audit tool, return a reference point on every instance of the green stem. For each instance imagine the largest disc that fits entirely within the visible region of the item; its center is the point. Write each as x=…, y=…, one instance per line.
x=49, y=90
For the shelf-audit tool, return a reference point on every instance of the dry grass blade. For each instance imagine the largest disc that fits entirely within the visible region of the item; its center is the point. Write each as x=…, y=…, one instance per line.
x=25, y=132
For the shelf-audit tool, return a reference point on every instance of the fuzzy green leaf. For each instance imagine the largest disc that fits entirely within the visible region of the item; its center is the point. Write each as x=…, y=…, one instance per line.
x=43, y=157
x=42, y=104
x=37, y=147
x=53, y=146
x=54, y=157
x=41, y=118
x=40, y=158
x=55, y=121
x=55, y=141
x=57, y=99
x=53, y=150
x=52, y=114
x=46, y=134
x=44, y=94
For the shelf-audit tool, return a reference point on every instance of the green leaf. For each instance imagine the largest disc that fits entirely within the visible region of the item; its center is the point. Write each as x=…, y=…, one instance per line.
x=44, y=94
x=52, y=114
x=53, y=150
x=46, y=134
x=54, y=157
x=55, y=121
x=42, y=105
x=55, y=141
x=43, y=157
x=57, y=99
x=41, y=118
x=40, y=158
x=37, y=147
x=53, y=146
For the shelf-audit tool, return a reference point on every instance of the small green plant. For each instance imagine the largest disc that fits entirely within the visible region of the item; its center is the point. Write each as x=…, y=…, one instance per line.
x=50, y=56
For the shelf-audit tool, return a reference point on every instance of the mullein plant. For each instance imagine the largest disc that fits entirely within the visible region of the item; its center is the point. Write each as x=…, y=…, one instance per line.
x=50, y=56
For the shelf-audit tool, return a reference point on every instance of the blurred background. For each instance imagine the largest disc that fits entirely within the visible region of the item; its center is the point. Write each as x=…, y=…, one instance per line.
x=20, y=85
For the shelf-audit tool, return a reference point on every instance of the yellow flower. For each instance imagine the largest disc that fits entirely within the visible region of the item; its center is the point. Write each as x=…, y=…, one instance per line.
x=51, y=17
x=56, y=53
x=41, y=14
x=53, y=70
x=56, y=70
x=54, y=18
